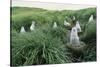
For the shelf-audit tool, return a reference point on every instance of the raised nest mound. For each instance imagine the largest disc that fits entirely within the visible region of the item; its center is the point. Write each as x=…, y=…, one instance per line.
x=76, y=48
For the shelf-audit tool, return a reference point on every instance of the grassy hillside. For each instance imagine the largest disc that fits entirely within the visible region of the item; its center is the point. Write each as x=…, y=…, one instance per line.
x=46, y=45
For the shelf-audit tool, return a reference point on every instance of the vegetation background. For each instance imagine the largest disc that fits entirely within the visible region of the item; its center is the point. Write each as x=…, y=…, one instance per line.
x=46, y=45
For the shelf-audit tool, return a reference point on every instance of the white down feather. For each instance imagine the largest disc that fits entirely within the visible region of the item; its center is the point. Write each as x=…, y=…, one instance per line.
x=66, y=23
x=22, y=29
x=55, y=25
x=91, y=18
x=74, y=39
x=32, y=27
x=78, y=27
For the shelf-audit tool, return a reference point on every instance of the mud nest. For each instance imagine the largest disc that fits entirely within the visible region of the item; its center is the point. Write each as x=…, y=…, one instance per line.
x=76, y=48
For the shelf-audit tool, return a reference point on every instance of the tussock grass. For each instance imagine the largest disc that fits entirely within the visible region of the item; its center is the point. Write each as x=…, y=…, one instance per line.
x=46, y=45
x=38, y=47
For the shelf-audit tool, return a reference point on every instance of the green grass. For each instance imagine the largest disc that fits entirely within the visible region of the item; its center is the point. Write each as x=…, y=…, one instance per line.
x=38, y=47
x=46, y=45
x=89, y=32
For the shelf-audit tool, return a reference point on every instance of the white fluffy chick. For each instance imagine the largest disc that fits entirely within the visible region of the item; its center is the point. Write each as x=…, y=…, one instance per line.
x=66, y=23
x=74, y=39
x=91, y=18
x=32, y=27
x=55, y=25
x=74, y=18
x=22, y=30
x=78, y=27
